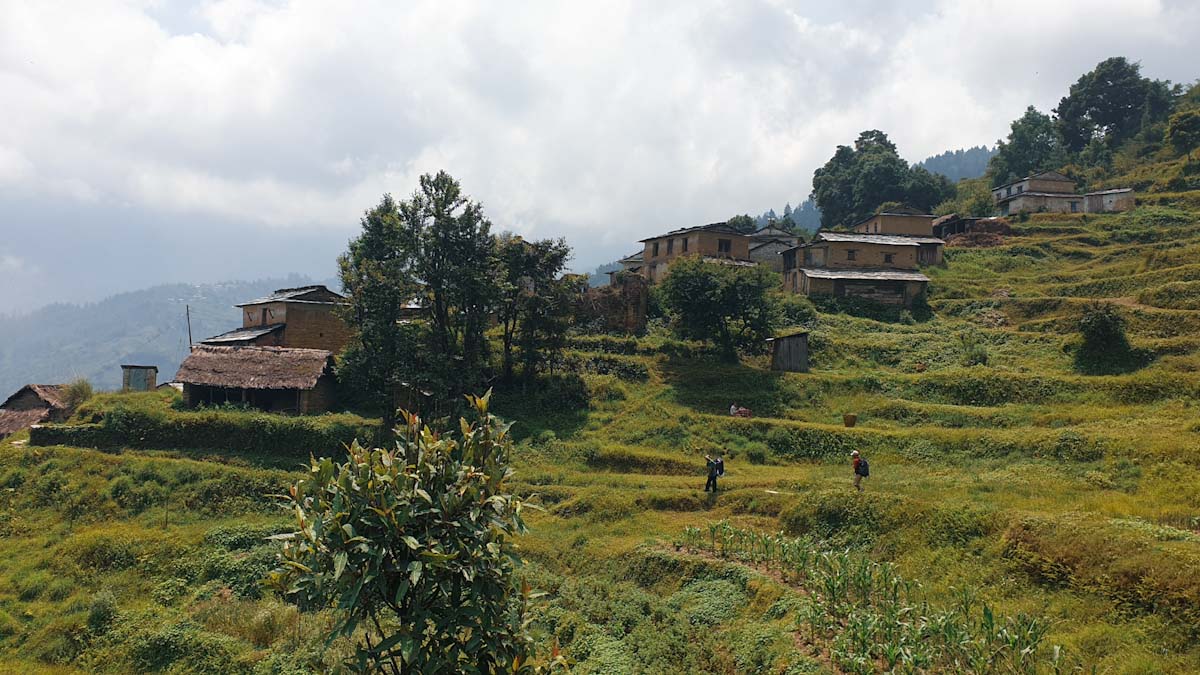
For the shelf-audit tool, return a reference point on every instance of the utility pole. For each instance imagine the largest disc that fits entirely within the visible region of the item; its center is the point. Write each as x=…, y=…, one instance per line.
x=188, y=311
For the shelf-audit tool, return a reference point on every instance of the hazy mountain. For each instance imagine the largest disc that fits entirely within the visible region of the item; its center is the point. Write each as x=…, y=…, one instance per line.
x=61, y=342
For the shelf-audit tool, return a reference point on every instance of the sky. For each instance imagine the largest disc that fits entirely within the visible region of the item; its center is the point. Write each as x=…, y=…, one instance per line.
x=151, y=142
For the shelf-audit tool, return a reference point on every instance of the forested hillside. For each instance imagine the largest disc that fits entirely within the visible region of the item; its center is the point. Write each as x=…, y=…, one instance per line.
x=63, y=342
x=959, y=164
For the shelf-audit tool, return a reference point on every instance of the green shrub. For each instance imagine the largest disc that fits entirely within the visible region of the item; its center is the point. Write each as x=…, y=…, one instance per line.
x=256, y=432
x=102, y=611
x=1104, y=348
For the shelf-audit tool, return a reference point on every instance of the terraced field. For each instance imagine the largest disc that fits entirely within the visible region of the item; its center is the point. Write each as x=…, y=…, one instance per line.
x=1020, y=516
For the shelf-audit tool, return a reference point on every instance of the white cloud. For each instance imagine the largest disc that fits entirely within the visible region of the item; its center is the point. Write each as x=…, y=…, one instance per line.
x=598, y=121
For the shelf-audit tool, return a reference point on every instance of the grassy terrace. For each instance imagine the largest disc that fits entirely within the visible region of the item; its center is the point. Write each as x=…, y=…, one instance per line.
x=1018, y=484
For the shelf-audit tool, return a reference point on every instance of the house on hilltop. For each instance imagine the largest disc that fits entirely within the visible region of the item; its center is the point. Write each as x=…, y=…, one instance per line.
x=1055, y=193
x=916, y=226
x=33, y=404
x=717, y=242
x=880, y=267
x=276, y=379
x=303, y=317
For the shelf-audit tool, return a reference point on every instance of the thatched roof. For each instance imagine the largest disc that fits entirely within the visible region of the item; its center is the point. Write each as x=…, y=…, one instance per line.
x=254, y=367
x=12, y=421
x=50, y=394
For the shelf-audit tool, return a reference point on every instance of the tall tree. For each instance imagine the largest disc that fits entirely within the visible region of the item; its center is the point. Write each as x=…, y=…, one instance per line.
x=1033, y=145
x=455, y=261
x=729, y=306
x=377, y=277
x=743, y=223
x=1113, y=101
x=855, y=181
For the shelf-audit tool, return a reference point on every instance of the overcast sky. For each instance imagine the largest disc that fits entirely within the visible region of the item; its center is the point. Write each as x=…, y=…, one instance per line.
x=147, y=142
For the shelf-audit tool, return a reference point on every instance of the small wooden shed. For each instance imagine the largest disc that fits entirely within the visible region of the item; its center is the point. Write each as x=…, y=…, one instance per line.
x=138, y=378
x=789, y=352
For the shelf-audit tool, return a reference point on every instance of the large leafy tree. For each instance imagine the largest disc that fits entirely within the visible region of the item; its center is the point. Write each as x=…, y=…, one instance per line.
x=1113, y=102
x=455, y=261
x=1034, y=144
x=534, y=303
x=377, y=277
x=855, y=181
x=413, y=548
x=729, y=306
x=436, y=248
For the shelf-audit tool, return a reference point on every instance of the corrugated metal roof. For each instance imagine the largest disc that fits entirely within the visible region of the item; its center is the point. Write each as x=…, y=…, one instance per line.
x=1044, y=175
x=864, y=274
x=242, y=334
x=888, y=239
x=1109, y=192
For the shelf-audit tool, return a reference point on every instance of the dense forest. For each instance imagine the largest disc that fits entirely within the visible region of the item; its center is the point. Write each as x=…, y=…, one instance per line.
x=959, y=164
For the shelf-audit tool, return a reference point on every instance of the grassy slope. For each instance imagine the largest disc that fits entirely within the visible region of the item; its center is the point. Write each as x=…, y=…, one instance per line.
x=1047, y=492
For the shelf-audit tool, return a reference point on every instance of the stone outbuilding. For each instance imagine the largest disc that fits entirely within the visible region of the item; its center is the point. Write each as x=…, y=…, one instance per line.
x=1052, y=192
x=276, y=379
x=33, y=404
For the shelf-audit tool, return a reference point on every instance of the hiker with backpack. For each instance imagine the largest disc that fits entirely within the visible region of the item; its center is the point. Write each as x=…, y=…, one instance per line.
x=716, y=467
x=861, y=469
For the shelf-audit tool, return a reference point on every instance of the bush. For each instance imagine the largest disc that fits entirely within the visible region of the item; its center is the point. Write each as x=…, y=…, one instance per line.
x=1104, y=348
x=102, y=611
x=76, y=393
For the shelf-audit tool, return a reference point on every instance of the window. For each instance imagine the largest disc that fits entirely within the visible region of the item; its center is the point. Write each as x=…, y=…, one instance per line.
x=724, y=245
x=1074, y=207
x=670, y=246
x=264, y=316
x=654, y=253
x=851, y=254
x=685, y=244
x=888, y=258
x=1008, y=192
x=1020, y=189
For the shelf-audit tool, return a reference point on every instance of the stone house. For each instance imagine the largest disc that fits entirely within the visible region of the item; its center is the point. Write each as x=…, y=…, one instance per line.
x=769, y=252
x=33, y=404
x=880, y=267
x=276, y=379
x=1053, y=192
x=716, y=242
x=303, y=317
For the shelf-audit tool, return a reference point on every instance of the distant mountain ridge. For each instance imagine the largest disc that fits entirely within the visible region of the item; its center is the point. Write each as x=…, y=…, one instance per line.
x=61, y=342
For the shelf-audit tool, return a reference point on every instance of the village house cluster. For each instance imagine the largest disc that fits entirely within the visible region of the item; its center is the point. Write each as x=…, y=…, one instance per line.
x=281, y=359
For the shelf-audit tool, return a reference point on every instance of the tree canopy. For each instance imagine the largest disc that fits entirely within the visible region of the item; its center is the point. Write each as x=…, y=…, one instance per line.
x=1034, y=144
x=1112, y=102
x=855, y=181
x=730, y=306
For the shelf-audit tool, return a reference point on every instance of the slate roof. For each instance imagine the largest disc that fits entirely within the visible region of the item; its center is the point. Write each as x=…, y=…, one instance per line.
x=317, y=294
x=863, y=274
x=254, y=367
x=242, y=334
x=1044, y=175
x=721, y=228
x=889, y=239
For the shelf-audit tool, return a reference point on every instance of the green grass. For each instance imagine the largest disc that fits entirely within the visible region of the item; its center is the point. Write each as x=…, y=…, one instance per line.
x=1018, y=484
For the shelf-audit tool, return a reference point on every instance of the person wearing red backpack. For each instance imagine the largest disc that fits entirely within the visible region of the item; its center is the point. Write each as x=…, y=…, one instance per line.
x=861, y=470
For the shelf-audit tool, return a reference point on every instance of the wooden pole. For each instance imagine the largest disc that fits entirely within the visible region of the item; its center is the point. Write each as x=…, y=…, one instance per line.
x=188, y=311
